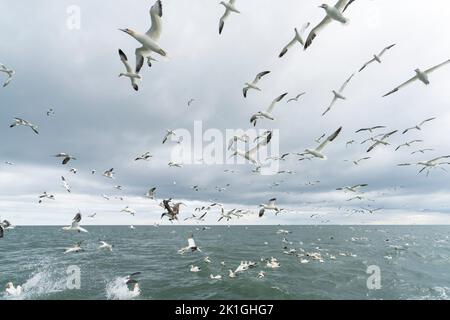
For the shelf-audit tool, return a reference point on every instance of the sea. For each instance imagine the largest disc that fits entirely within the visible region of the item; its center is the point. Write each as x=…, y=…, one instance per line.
x=315, y=262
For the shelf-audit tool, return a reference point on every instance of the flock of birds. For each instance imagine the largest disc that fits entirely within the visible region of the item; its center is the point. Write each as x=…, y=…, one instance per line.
x=149, y=47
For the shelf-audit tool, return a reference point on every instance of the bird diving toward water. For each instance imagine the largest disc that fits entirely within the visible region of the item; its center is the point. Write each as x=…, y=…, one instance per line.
x=229, y=7
x=333, y=13
x=298, y=37
x=75, y=226
x=252, y=85
x=420, y=75
x=148, y=39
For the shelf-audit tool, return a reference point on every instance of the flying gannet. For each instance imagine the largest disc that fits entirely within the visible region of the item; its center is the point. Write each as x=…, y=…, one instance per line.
x=338, y=94
x=151, y=193
x=9, y=73
x=296, y=97
x=229, y=7
x=369, y=129
x=22, y=122
x=145, y=156
x=354, y=188
x=251, y=154
x=252, y=85
x=268, y=113
x=75, y=226
x=332, y=13
x=317, y=152
x=298, y=37
x=408, y=144
x=420, y=75
x=150, y=38
x=45, y=195
x=269, y=206
x=169, y=133
x=105, y=245
x=376, y=57
x=65, y=184
x=131, y=74
x=66, y=157
x=419, y=126
x=75, y=249
x=381, y=141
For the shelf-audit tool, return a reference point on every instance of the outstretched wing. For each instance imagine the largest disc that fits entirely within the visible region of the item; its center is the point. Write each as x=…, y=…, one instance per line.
x=329, y=139
x=155, y=13
x=345, y=83
x=278, y=99
x=437, y=66
x=385, y=49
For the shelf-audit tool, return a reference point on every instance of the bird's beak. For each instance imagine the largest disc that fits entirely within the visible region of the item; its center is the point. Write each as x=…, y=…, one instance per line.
x=124, y=30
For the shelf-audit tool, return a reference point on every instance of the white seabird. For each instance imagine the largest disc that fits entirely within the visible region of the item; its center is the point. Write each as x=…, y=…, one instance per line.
x=252, y=153
x=75, y=226
x=131, y=74
x=195, y=268
x=150, y=38
x=235, y=138
x=105, y=245
x=297, y=38
x=127, y=209
x=47, y=196
x=9, y=73
x=190, y=247
x=22, y=122
x=76, y=248
x=370, y=129
x=376, y=57
x=65, y=184
x=145, y=156
x=268, y=113
x=381, y=141
x=218, y=277
x=408, y=144
x=66, y=157
x=420, y=75
x=169, y=133
x=252, y=85
x=317, y=151
x=269, y=206
x=296, y=97
x=109, y=173
x=419, y=126
x=229, y=7
x=151, y=193
x=332, y=13
x=354, y=188
x=338, y=94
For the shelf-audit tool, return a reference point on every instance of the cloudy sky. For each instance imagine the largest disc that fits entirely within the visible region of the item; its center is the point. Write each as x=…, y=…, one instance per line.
x=105, y=124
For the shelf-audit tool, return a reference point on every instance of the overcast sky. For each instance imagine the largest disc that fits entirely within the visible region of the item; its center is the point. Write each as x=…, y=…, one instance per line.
x=105, y=124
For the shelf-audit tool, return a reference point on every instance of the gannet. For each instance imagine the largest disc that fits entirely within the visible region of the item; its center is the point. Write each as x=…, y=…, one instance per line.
x=252, y=153
x=13, y=291
x=169, y=134
x=50, y=112
x=9, y=73
x=144, y=156
x=356, y=162
x=105, y=245
x=195, y=268
x=354, y=188
x=298, y=37
x=338, y=94
x=332, y=13
x=296, y=97
x=75, y=226
x=252, y=85
x=268, y=113
x=190, y=102
x=175, y=164
x=150, y=38
x=269, y=206
x=109, y=173
x=66, y=157
x=21, y=122
x=46, y=195
x=381, y=141
x=408, y=144
x=127, y=209
x=131, y=74
x=92, y=215
x=5, y=225
x=317, y=152
x=207, y=260
x=376, y=57
x=190, y=247
x=9, y=163
x=429, y=163
x=231, y=274
x=65, y=184
x=218, y=277
x=422, y=151
x=73, y=170
x=419, y=126
x=151, y=193
x=76, y=248
x=420, y=75
x=229, y=7
x=370, y=129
